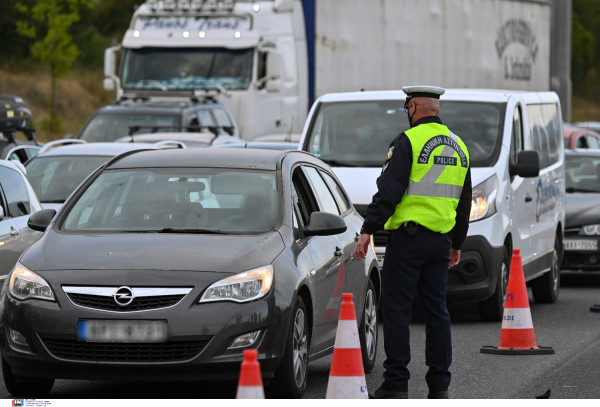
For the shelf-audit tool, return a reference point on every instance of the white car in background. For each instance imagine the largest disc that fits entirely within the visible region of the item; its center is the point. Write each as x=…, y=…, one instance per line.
x=62, y=165
x=17, y=202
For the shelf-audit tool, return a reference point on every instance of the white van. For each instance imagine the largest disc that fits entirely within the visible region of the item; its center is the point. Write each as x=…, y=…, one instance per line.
x=517, y=170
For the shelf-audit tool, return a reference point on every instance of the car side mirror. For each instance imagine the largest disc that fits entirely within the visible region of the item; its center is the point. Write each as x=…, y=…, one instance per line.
x=41, y=219
x=527, y=166
x=324, y=224
x=1, y=212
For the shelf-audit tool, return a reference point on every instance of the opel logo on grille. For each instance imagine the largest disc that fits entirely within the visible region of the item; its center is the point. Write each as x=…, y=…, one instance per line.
x=123, y=296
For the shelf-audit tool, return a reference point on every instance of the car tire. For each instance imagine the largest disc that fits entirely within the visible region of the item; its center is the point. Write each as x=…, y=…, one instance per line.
x=545, y=288
x=368, y=328
x=25, y=387
x=290, y=378
x=492, y=309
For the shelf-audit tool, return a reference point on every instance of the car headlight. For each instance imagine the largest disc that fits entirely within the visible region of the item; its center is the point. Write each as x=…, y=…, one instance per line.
x=483, y=198
x=25, y=284
x=247, y=286
x=590, y=230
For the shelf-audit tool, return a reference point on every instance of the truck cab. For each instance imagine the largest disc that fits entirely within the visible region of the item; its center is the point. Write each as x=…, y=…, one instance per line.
x=249, y=54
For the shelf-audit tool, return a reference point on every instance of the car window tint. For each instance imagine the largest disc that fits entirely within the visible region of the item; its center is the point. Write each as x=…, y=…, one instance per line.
x=322, y=191
x=337, y=191
x=53, y=178
x=163, y=199
x=15, y=191
x=303, y=196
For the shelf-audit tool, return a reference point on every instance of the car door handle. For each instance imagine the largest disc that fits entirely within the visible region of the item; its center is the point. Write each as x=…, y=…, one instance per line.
x=338, y=251
x=357, y=237
x=13, y=231
x=528, y=198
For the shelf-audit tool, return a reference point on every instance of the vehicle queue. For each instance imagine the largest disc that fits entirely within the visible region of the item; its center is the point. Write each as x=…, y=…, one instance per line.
x=288, y=225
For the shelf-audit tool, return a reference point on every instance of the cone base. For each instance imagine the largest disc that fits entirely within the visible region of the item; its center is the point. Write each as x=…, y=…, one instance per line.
x=540, y=350
x=595, y=308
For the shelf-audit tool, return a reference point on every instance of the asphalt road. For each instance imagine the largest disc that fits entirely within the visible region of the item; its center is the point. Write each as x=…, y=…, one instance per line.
x=571, y=373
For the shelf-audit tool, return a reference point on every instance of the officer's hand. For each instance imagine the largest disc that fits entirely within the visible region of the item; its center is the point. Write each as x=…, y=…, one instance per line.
x=360, y=251
x=454, y=257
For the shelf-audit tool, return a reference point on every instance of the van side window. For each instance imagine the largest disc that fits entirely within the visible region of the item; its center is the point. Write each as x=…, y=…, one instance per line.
x=517, y=136
x=544, y=126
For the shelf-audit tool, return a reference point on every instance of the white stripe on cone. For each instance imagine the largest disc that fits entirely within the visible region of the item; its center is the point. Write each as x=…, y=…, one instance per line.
x=250, y=392
x=349, y=387
x=348, y=340
x=517, y=318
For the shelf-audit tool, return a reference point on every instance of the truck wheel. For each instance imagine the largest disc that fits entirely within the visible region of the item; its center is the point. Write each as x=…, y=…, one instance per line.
x=25, y=387
x=492, y=309
x=545, y=288
x=368, y=329
x=290, y=378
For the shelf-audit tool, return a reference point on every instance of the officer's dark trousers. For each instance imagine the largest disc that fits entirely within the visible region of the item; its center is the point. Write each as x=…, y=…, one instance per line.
x=416, y=264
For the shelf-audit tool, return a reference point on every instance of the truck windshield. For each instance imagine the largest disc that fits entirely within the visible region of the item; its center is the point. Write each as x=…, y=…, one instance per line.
x=358, y=134
x=186, y=68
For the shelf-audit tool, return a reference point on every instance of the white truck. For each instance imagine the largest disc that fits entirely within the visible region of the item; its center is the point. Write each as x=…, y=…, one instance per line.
x=268, y=60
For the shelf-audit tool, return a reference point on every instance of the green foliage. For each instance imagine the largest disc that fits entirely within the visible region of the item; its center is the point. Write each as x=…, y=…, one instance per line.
x=585, y=49
x=52, y=20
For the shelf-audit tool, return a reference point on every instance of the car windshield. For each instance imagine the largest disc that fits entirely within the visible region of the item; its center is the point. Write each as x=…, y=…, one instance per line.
x=109, y=127
x=177, y=200
x=53, y=178
x=188, y=68
x=359, y=133
x=582, y=174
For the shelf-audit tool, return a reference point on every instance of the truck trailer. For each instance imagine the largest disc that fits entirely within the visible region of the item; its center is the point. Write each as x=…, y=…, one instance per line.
x=269, y=60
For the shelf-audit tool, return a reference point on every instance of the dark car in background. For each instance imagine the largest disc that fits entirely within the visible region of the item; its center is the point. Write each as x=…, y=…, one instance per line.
x=184, y=258
x=126, y=118
x=582, y=232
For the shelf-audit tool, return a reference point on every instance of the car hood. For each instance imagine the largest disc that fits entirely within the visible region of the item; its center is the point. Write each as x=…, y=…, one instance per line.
x=137, y=251
x=582, y=209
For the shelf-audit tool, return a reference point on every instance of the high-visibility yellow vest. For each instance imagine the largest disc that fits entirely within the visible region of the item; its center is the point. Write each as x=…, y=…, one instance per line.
x=439, y=167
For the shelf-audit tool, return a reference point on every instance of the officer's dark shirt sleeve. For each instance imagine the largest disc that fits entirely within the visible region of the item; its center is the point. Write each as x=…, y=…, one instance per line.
x=391, y=185
x=463, y=212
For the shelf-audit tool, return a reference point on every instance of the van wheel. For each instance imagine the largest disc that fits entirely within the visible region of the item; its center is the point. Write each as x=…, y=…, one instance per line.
x=368, y=329
x=545, y=289
x=492, y=309
x=25, y=387
x=290, y=378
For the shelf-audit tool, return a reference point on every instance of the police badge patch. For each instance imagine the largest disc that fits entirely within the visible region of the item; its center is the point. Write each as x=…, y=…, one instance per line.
x=390, y=153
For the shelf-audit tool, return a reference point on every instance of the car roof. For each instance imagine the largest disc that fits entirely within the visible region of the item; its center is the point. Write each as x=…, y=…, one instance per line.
x=243, y=158
x=100, y=148
x=167, y=106
x=486, y=95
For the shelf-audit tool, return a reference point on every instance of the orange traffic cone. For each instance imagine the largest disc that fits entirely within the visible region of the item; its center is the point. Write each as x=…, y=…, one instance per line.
x=250, y=385
x=516, y=335
x=347, y=374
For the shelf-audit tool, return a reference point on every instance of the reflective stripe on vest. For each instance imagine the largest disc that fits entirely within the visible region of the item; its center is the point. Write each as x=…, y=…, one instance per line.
x=427, y=186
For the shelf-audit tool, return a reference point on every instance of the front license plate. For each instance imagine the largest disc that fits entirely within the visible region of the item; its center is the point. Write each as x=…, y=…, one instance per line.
x=134, y=331
x=580, y=244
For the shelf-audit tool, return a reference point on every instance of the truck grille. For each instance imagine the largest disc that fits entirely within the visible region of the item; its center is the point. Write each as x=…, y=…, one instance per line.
x=124, y=352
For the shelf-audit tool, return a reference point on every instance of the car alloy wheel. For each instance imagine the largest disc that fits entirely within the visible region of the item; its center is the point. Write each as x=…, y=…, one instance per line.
x=368, y=329
x=300, y=347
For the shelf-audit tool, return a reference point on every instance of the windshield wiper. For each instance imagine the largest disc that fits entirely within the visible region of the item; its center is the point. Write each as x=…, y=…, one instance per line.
x=199, y=231
x=337, y=163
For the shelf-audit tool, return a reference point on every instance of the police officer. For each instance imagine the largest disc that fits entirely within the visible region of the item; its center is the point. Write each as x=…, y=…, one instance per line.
x=424, y=200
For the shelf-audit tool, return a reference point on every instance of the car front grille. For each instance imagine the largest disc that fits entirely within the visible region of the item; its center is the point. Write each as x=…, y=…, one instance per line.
x=138, y=304
x=74, y=349
x=125, y=299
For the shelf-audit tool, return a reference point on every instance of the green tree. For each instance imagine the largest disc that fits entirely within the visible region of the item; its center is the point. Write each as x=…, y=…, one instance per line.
x=51, y=20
